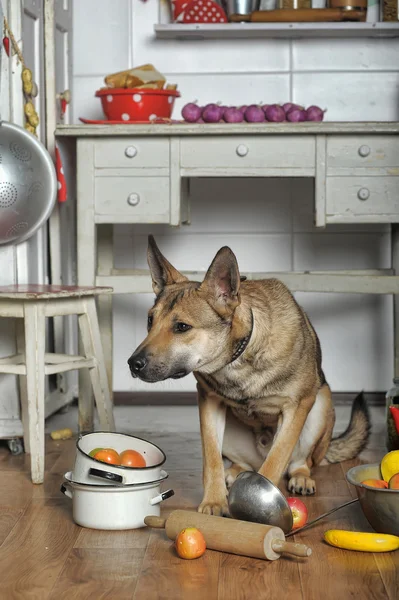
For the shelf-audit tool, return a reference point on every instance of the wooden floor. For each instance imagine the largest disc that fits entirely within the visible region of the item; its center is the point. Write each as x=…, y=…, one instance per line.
x=44, y=555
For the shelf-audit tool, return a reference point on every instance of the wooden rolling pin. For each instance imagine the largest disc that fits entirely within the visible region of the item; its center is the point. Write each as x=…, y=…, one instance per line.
x=301, y=15
x=230, y=535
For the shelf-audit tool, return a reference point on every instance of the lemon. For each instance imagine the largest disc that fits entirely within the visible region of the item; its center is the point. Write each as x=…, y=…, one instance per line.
x=390, y=465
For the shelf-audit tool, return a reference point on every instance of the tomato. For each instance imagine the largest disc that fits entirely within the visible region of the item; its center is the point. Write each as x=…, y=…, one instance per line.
x=132, y=458
x=190, y=543
x=108, y=455
x=94, y=452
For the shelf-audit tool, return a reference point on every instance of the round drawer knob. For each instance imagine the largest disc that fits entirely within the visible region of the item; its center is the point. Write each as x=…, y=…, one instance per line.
x=363, y=194
x=242, y=150
x=130, y=151
x=364, y=151
x=133, y=199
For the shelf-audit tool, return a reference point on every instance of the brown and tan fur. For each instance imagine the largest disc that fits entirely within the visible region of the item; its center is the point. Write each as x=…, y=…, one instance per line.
x=269, y=410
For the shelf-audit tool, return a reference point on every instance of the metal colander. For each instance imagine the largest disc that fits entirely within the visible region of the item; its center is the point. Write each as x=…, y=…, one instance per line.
x=28, y=184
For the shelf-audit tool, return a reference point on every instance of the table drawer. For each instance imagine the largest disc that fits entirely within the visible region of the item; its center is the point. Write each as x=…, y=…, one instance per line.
x=131, y=153
x=362, y=151
x=351, y=196
x=139, y=199
x=281, y=151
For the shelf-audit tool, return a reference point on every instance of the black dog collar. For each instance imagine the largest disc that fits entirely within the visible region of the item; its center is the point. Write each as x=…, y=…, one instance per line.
x=243, y=342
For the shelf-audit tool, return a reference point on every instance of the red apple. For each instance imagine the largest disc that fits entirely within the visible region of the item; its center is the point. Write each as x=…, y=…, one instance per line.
x=299, y=512
x=394, y=482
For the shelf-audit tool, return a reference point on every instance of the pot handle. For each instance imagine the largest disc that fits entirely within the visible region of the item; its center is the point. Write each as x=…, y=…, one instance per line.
x=106, y=475
x=66, y=490
x=162, y=496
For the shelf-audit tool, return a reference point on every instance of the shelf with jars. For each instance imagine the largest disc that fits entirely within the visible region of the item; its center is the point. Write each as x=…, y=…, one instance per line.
x=284, y=19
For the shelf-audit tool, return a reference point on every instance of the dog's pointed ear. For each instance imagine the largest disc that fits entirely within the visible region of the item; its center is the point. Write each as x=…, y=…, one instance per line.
x=222, y=283
x=162, y=272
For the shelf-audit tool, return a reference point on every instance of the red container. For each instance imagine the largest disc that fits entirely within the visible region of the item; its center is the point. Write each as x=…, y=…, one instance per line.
x=137, y=104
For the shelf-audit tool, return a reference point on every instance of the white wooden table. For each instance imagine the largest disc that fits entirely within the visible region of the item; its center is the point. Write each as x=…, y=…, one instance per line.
x=140, y=174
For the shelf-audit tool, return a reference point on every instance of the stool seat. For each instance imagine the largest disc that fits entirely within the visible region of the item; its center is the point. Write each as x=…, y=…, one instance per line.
x=44, y=292
x=30, y=305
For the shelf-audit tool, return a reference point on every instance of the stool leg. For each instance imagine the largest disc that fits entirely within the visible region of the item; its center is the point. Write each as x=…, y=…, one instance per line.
x=86, y=405
x=91, y=340
x=23, y=387
x=35, y=341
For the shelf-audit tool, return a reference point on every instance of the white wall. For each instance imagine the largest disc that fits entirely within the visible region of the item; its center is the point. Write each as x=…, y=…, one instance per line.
x=268, y=223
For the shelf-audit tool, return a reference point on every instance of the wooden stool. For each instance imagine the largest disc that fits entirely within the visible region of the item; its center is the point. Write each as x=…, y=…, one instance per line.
x=33, y=303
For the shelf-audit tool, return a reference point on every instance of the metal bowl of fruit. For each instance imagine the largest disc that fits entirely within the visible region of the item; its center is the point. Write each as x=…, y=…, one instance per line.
x=380, y=505
x=99, y=459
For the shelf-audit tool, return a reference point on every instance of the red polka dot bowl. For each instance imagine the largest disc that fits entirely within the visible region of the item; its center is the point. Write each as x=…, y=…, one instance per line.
x=137, y=104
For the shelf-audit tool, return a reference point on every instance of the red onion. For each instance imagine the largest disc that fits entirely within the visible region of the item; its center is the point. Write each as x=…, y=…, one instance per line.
x=289, y=105
x=275, y=113
x=295, y=115
x=314, y=113
x=264, y=107
x=191, y=112
x=233, y=115
x=254, y=114
x=223, y=109
x=243, y=108
x=212, y=113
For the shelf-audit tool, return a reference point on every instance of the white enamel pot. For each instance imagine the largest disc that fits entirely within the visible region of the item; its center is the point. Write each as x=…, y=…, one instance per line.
x=89, y=470
x=114, y=507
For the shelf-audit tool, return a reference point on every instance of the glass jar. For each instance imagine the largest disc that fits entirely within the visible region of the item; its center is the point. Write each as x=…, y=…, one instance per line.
x=392, y=399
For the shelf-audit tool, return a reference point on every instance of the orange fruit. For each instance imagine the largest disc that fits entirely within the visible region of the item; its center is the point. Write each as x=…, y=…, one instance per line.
x=394, y=482
x=132, y=458
x=93, y=452
x=190, y=543
x=108, y=455
x=377, y=483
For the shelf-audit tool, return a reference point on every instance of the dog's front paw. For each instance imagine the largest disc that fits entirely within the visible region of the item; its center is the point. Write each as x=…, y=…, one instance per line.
x=217, y=508
x=302, y=485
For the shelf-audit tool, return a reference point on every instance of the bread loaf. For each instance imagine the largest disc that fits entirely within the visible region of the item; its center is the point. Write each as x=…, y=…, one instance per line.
x=139, y=76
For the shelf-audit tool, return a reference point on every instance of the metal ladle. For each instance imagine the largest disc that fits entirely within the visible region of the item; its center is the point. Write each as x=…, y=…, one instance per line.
x=255, y=498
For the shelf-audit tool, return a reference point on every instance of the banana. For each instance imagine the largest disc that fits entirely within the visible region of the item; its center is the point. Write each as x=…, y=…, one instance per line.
x=366, y=542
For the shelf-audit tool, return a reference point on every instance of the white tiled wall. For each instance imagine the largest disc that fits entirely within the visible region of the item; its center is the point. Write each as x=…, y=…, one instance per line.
x=268, y=223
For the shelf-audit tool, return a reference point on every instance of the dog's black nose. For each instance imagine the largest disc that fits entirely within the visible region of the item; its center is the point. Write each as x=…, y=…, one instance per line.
x=137, y=363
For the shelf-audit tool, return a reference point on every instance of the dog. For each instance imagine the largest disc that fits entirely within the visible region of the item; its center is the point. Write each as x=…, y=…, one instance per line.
x=264, y=402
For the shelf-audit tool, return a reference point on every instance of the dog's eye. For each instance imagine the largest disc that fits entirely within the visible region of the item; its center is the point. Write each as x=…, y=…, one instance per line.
x=149, y=321
x=181, y=327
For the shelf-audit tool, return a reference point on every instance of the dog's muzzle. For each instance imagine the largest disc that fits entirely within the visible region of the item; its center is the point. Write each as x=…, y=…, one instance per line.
x=139, y=367
x=137, y=363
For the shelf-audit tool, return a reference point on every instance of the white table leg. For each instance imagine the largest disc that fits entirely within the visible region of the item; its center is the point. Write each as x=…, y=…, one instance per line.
x=395, y=267
x=86, y=261
x=105, y=247
x=35, y=341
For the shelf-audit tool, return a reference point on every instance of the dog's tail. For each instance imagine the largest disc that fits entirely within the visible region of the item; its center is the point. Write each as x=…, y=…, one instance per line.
x=354, y=439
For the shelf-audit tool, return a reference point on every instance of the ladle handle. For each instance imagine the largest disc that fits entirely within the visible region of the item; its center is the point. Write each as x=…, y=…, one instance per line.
x=323, y=516
x=280, y=546
x=156, y=522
